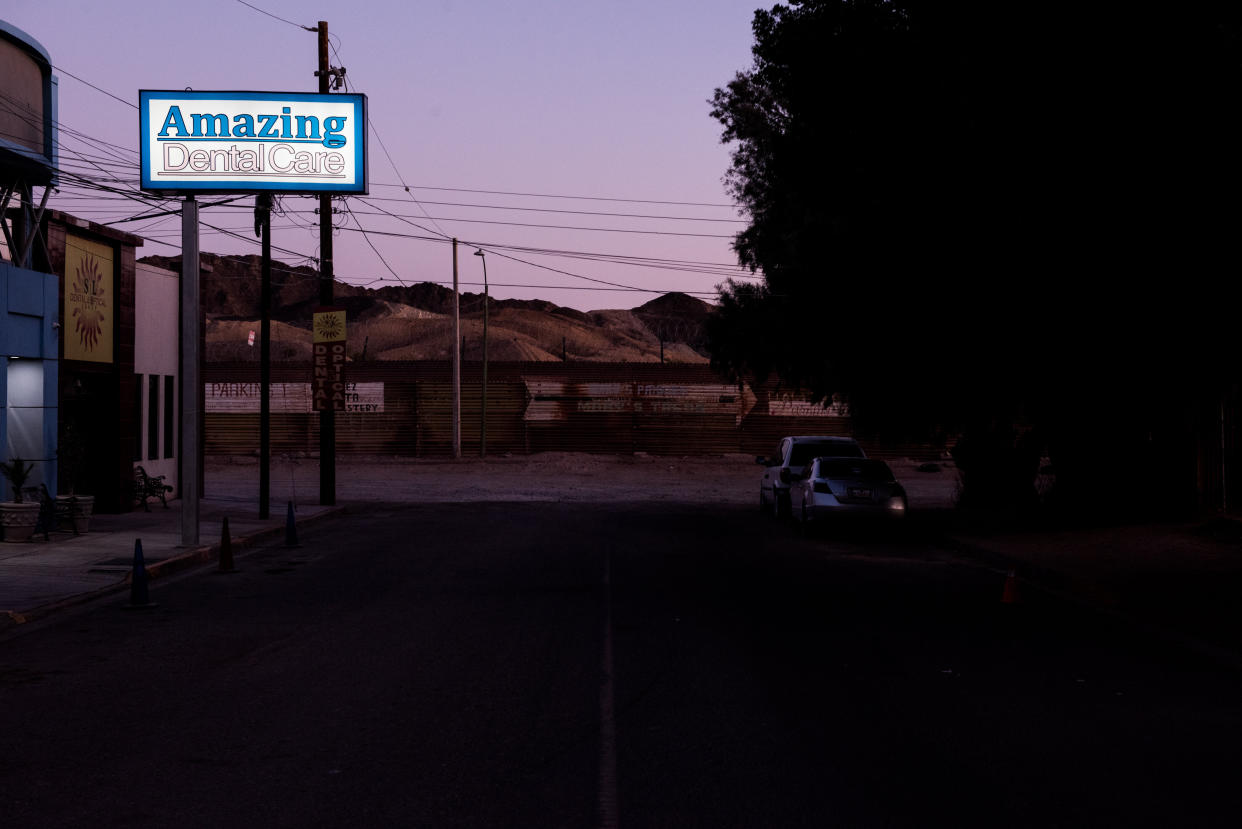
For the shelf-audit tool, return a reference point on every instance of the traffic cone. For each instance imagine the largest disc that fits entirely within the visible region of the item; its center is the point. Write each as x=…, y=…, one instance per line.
x=291, y=529
x=1010, y=594
x=226, y=549
x=138, y=595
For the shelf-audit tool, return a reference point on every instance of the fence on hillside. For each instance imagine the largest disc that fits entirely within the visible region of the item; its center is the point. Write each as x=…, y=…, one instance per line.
x=405, y=408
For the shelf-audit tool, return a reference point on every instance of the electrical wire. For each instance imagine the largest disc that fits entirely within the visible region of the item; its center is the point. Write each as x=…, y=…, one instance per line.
x=556, y=195
x=98, y=173
x=551, y=227
x=367, y=200
x=375, y=132
x=64, y=71
x=367, y=237
x=274, y=17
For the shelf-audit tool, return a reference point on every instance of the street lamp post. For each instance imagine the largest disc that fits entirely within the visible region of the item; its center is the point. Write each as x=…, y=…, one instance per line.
x=483, y=408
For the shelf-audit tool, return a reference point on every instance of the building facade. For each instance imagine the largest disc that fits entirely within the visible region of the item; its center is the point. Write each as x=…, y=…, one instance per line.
x=29, y=383
x=156, y=370
x=29, y=319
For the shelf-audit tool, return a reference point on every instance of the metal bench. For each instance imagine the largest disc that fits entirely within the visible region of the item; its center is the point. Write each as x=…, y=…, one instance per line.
x=150, y=486
x=54, y=513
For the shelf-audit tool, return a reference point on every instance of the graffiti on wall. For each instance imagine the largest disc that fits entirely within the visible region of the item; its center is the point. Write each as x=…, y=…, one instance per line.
x=295, y=398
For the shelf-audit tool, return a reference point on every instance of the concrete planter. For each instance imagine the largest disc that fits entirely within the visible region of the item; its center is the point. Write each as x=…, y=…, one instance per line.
x=18, y=520
x=83, y=507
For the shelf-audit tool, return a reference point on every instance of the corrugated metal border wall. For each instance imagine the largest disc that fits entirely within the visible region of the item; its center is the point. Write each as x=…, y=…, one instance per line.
x=668, y=409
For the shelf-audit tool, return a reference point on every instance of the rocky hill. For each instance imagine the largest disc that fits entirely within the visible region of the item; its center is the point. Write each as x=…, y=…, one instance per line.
x=414, y=322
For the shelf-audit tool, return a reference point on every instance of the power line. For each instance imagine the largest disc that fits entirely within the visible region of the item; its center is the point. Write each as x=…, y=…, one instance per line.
x=474, y=205
x=369, y=199
x=314, y=278
x=249, y=240
x=375, y=132
x=567, y=227
x=557, y=196
x=388, y=155
x=173, y=212
x=712, y=269
x=274, y=17
x=372, y=244
x=64, y=71
x=565, y=273
x=408, y=187
x=552, y=287
x=380, y=211
x=112, y=186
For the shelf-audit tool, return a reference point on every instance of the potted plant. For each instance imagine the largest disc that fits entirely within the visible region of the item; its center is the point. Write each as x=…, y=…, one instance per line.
x=18, y=517
x=72, y=456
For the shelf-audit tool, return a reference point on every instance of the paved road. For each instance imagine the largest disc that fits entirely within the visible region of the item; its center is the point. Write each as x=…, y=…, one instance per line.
x=570, y=665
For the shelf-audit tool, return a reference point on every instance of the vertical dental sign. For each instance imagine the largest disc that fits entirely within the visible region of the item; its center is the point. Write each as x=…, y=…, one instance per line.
x=244, y=142
x=328, y=391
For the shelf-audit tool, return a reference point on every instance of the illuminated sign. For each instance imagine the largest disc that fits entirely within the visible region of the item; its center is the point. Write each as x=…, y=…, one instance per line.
x=243, y=142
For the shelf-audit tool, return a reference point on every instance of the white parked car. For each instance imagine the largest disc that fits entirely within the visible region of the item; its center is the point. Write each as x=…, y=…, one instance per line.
x=832, y=488
x=792, y=455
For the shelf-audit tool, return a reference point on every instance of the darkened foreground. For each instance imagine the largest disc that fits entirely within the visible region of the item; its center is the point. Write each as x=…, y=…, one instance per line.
x=948, y=222
x=577, y=665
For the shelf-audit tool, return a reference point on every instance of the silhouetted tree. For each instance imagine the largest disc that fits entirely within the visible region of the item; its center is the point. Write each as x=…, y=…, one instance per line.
x=975, y=215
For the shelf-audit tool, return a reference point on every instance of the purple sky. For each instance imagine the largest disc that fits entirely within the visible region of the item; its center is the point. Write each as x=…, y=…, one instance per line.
x=589, y=99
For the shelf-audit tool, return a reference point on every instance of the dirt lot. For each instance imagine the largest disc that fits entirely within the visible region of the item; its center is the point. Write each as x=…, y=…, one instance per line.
x=550, y=476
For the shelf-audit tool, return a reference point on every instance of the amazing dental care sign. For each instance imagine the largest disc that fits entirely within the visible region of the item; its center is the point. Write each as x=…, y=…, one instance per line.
x=243, y=142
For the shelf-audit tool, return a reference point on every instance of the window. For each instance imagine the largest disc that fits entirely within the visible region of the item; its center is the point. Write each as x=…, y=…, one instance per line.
x=803, y=453
x=855, y=469
x=153, y=416
x=170, y=416
x=138, y=417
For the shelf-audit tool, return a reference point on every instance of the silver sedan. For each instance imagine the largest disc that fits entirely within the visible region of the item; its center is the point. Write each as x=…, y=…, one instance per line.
x=828, y=488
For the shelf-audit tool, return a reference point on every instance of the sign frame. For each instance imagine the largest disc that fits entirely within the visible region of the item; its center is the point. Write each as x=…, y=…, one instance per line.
x=296, y=136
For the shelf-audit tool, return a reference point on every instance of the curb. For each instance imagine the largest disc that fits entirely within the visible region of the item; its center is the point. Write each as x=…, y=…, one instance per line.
x=12, y=619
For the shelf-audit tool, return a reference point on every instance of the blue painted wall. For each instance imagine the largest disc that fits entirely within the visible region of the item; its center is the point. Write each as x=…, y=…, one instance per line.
x=29, y=374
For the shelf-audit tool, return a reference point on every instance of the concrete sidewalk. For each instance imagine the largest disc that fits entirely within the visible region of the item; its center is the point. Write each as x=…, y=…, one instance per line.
x=39, y=577
x=1179, y=581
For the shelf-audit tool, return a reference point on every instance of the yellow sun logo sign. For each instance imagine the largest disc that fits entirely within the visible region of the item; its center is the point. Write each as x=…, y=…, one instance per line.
x=329, y=326
x=89, y=316
x=88, y=300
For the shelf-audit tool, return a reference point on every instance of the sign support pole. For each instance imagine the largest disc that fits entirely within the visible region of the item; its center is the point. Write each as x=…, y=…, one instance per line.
x=263, y=220
x=171, y=164
x=191, y=384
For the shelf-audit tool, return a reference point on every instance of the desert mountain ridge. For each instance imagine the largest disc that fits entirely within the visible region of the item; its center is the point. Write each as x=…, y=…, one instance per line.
x=414, y=322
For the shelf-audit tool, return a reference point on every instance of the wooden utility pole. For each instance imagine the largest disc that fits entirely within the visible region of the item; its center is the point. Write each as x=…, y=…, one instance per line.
x=327, y=417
